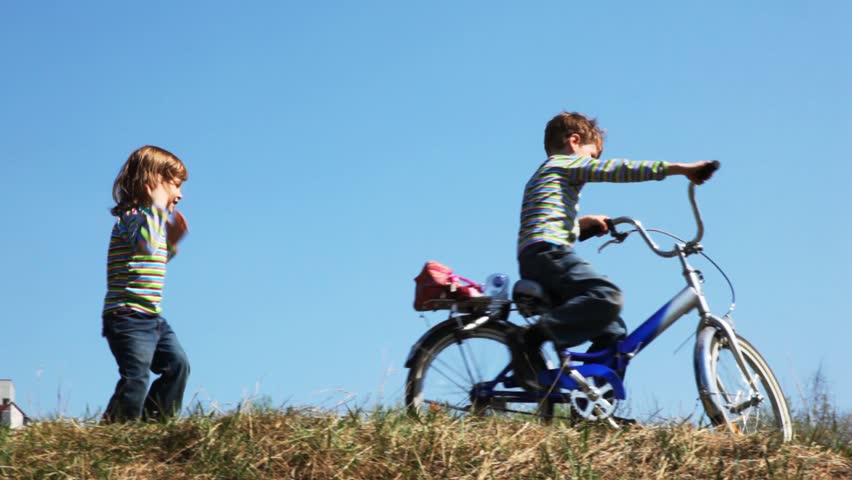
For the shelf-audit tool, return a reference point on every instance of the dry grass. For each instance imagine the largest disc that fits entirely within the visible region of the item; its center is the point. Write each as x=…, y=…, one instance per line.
x=391, y=445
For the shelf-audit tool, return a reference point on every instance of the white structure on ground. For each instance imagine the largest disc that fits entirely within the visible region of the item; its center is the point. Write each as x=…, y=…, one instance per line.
x=10, y=414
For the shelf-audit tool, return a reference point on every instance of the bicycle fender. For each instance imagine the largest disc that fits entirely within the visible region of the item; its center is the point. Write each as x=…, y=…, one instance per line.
x=409, y=361
x=588, y=370
x=712, y=406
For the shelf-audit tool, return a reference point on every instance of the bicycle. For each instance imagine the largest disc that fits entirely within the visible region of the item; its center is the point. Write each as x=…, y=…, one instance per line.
x=463, y=365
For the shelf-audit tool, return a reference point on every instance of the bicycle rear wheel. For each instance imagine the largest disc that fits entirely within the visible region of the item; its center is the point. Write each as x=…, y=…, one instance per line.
x=451, y=365
x=727, y=394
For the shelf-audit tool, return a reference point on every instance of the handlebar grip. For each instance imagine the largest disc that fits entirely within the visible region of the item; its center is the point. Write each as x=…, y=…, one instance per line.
x=708, y=170
x=589, y=233
x=596, y=230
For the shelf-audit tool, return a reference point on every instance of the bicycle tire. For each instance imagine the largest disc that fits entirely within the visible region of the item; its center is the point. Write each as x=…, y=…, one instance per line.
x=450, y=361
x=725, y=391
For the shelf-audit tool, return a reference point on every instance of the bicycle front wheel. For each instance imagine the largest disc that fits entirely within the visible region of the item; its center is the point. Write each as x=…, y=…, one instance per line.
x=452, y=367
x=726, y=389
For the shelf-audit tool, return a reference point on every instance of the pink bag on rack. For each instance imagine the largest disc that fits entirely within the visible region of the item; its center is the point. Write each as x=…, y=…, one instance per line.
x=438, y=282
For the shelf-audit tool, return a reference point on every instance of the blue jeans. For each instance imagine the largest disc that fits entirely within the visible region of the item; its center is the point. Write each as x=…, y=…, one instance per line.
x=586, y=305
x=141, y=344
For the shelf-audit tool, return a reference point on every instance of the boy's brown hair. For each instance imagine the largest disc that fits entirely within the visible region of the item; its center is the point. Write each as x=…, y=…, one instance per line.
x=143, y=169
x=565, y=124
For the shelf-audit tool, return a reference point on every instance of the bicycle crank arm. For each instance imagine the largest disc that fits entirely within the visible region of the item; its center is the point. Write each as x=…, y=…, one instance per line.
x=592, y=392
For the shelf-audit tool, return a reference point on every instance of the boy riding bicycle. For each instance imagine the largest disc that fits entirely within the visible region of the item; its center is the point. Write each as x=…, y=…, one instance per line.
x=586, y=304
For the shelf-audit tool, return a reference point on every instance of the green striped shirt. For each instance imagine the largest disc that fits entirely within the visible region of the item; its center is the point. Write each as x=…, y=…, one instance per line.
x=552, y=195
x=136, y=261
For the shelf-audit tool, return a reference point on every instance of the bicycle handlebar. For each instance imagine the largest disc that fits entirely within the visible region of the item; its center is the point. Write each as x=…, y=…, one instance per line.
x=620, y=236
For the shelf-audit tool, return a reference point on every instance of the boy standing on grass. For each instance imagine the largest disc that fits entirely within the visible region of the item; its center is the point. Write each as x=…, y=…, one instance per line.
x=145, y=236
x=586, y=305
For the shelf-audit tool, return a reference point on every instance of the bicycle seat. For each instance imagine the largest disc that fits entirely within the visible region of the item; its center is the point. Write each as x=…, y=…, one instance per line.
x=530, y=298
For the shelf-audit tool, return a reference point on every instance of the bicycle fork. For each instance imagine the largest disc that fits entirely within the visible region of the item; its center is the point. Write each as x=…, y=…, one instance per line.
x=721, y=325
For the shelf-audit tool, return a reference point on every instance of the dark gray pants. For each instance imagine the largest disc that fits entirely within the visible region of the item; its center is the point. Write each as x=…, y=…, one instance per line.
x=586, y=305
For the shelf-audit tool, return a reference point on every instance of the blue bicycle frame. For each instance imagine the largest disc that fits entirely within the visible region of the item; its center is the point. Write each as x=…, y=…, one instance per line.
x=604, y=363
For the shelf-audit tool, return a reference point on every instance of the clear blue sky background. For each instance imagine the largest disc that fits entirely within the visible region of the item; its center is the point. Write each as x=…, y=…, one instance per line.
x=333, y=147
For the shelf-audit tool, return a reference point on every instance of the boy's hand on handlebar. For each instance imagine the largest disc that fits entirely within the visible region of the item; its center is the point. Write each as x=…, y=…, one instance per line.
x=696, y=172
x=593, y=225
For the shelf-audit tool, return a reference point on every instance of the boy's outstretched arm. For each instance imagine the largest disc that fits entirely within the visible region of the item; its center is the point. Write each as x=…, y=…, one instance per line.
x=696, y=172
x=588, y=169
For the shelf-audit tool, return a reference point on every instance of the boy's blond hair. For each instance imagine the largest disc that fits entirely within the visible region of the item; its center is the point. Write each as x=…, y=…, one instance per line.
x=141, y=170
x=565, y=124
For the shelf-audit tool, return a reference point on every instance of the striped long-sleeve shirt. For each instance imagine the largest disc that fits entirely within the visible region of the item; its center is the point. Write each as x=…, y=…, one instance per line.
x=136, y=261
x=552, y=195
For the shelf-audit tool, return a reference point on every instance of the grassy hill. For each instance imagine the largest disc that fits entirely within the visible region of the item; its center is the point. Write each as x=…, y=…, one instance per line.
x=388, y=444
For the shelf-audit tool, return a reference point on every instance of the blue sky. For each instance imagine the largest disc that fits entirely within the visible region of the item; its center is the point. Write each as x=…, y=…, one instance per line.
x=334, y=147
